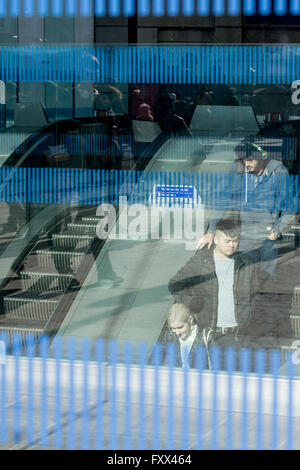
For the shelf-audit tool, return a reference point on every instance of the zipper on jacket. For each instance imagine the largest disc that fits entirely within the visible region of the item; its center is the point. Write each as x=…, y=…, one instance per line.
x=236, y=334
x=215, y=301
x=236, y=277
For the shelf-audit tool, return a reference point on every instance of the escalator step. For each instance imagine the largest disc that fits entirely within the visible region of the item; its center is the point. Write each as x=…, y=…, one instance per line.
x=27, y=308
x=22, y=332
x=295, y=324
x=91, y=220
x=45, y=282
x=82, y=228
x=289, y=237
x=296, y=297
x=286, y=352
x=65, y=241
x=61, y=259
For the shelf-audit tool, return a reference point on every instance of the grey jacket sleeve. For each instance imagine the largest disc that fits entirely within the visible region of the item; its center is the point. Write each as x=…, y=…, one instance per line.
x=285, y=200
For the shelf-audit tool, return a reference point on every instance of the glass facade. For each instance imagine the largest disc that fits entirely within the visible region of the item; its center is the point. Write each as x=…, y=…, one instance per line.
x=149, y=173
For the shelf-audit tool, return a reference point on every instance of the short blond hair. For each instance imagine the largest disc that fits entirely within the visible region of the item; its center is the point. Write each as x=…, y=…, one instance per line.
x=179, y=312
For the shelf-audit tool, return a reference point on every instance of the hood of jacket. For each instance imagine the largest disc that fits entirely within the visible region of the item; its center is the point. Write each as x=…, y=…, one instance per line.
x=273, y=167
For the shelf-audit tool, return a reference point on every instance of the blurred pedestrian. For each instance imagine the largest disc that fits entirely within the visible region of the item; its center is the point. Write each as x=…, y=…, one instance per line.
x=262, y=199
x=144, y=113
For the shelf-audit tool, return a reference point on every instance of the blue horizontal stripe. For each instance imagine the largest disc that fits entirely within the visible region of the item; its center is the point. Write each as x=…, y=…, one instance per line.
x=218, y=191
x=116, y=8
x=127, y=64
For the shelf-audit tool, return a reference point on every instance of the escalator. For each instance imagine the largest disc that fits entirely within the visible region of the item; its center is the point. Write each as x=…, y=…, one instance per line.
x=42, y=286
x=49, y=270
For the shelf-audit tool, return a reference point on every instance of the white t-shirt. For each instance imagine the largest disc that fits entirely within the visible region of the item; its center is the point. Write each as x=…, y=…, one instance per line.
x=186, y=346
x=225, y=275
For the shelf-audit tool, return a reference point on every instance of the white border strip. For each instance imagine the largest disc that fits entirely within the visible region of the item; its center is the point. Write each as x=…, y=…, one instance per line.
x=194, y=378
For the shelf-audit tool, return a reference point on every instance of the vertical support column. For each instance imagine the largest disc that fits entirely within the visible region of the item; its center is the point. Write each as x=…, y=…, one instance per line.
x=83, y=90
x=31, y=31
x=59, y=95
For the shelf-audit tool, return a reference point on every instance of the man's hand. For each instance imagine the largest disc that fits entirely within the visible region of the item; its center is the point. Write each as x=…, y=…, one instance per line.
x=207, y=239
x=57, y=153
x=60, y=157
x=273, y=236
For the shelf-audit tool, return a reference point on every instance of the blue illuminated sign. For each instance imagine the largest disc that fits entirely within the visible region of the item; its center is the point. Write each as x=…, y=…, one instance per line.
x=171, y=191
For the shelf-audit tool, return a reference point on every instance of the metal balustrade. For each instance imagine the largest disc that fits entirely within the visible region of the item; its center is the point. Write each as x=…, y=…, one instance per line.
x=76, y=394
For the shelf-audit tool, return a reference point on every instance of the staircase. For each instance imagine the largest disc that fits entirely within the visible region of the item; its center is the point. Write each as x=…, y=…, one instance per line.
x=48, y=274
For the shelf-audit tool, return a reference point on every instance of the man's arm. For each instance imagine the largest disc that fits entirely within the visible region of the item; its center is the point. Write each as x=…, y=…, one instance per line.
x=181, y=285
x=252, y=326
x=206, y=240
x=283, y=218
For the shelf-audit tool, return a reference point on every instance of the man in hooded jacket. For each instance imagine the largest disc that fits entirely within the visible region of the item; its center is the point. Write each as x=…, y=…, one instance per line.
x=259, y=187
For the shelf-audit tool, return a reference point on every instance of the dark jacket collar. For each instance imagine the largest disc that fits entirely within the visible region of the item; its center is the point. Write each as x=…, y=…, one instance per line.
x=207, y=256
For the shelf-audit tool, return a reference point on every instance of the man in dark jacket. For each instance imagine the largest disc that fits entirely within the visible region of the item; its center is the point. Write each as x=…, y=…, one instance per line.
x=218, y=285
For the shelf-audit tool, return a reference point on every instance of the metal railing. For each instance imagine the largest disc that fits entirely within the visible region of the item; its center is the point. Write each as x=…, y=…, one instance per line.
x=77, y=394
